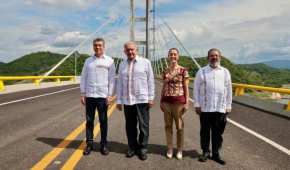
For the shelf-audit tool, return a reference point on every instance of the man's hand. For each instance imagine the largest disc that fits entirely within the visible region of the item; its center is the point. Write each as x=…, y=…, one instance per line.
x=119, y=107
x=228, y=111
x=83, y=100
x=109, y=100
x=151, y=103
x=198, y=110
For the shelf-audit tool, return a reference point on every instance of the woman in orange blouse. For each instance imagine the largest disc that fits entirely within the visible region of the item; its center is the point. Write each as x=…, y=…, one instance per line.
x=174, y=101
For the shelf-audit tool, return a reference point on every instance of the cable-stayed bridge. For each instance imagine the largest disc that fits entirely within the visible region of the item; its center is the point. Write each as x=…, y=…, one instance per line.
x=43, y=128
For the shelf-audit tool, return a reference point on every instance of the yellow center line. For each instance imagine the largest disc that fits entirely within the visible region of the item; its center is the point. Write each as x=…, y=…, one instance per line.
x=48, y=158
x=78, y=154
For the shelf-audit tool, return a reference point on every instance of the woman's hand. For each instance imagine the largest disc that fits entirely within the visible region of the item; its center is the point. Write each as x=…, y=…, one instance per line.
x=185, y=107
x=161, y=106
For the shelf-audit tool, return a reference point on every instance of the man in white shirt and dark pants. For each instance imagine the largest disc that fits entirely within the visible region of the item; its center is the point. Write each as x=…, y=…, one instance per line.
x=212, y=102
x=97, y=86
x=135, y=90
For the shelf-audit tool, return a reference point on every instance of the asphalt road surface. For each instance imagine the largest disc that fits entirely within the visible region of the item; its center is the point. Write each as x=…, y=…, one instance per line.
x=47, y=131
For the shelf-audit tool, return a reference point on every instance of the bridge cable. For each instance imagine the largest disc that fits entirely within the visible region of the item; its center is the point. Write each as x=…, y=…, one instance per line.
x=159, y=48
x=83, y=42
x=165, y=43
x=178, y=40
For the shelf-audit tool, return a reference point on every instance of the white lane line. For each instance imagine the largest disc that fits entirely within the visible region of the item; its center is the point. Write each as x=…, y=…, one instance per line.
x=33, y=97
x=274, y=144
x=263, y=138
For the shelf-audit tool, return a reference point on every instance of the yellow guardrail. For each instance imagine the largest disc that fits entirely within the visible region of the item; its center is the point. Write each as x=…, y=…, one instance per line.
x=240, y=90
x=35, y=79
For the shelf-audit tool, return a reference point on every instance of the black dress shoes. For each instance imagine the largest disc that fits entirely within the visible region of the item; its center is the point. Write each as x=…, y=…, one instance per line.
x=142, y=155
x=218, y=159
x=130, y=153
x=104, y=150
x=88, y=150
x=203, y=157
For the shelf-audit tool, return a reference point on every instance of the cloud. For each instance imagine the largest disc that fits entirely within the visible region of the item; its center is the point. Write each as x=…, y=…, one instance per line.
x=278, y=49
x=69, y=39
x=233, y=25
x=48, y=30
x=81, y=4
x=245, y=30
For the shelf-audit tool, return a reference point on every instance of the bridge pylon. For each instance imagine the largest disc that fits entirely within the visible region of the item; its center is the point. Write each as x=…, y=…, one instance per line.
x=133, y=19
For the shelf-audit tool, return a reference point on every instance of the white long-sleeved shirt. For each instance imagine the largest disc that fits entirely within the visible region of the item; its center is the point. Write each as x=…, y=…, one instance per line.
x=213, y=89
x=136, y=82
x=98, y=77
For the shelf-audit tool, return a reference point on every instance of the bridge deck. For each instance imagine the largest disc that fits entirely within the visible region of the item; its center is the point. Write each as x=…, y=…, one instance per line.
x=31, y=129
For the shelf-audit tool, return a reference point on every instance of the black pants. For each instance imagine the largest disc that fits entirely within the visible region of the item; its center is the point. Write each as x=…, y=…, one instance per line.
x=215, y=123
x=134, y=115
x=101, y=105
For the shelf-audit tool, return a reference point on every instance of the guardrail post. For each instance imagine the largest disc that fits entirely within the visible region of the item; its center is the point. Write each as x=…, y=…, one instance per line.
x=2, y=87
x=36, y=82
x=240, y=91
x=237, y=91
x=73, y=79
x=288, y=107
x=58, y=81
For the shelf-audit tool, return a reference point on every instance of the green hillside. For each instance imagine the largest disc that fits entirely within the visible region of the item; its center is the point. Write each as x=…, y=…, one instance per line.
x=270, y=76
x=40, y=62
x=248, y=74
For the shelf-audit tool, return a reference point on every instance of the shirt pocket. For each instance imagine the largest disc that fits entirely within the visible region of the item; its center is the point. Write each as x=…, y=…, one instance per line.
x=140, y=83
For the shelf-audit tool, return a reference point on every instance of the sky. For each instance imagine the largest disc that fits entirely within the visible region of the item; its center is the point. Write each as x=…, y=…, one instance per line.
x=246, y=31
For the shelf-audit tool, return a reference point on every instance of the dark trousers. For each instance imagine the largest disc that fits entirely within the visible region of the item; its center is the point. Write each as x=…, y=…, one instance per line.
x=214, y=123
x=101, y=105
x=137, y=114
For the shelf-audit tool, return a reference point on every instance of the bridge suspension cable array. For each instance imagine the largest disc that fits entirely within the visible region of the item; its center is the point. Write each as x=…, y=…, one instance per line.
x=78, y=46
x=179, y=41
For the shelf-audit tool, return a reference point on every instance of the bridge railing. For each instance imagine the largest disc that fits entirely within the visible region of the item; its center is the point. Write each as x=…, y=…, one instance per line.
x=240, y=90
x=35, y=79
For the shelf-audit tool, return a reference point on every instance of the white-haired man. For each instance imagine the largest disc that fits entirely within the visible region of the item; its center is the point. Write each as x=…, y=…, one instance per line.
x=135, y=90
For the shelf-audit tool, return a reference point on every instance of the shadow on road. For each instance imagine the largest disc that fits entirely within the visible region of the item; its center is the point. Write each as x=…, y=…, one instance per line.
x=116, y=147
x=54, y=142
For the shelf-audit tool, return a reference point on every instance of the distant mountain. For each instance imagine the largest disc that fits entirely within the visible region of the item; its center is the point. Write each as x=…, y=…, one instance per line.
x=39, y=63
x=282, y=64
x=256, y=74
x=270, y=76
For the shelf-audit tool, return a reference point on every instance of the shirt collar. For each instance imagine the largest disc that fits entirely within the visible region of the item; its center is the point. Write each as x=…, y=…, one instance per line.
x=219, y=67
x=137, y=58
x=102, y=57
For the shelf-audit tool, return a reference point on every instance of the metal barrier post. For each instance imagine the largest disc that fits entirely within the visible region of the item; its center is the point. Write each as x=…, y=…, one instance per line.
x=240, y=91
x=58, y=81
x=2, y=87
x=36, y=82
x=73, y=79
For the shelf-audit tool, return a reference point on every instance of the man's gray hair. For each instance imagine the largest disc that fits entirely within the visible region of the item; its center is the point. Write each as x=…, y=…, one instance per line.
x=130, y=43
x=214, y=49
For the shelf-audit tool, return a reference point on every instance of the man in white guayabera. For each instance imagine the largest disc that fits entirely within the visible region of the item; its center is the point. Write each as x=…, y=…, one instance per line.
x=212, y=102
x=135, y=91
x=97, y=86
